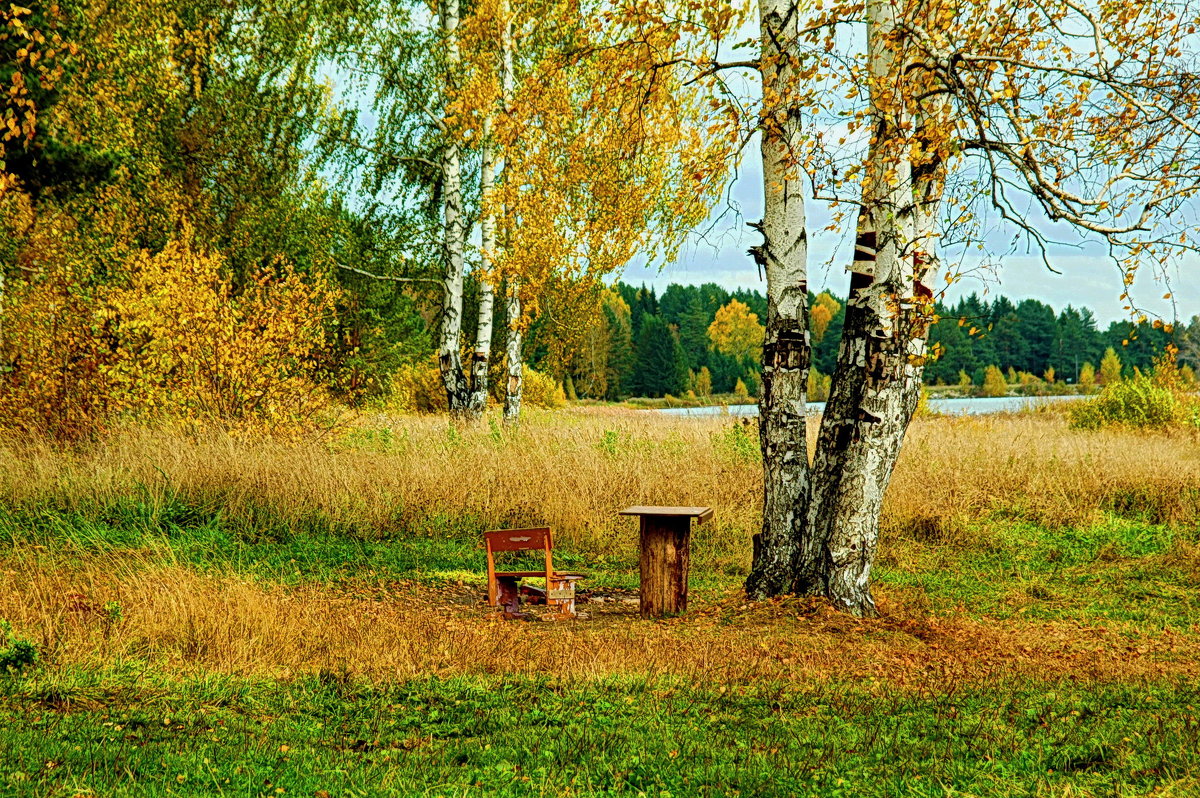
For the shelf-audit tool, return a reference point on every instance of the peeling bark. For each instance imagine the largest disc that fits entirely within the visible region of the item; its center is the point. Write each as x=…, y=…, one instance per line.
x=877, y=383
x=489, y=252
x=514, y=365
x=783, y=256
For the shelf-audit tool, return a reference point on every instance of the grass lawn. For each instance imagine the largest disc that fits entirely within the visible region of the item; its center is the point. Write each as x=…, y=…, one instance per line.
x=210, y=639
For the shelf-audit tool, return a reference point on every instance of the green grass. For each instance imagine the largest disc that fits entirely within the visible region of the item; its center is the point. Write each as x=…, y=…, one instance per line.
x=314, y=550
x=1120, y=570
x=121, y=733
x=136, y=730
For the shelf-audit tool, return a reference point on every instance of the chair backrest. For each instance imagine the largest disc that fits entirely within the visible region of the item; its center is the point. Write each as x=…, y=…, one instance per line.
x=518, y=539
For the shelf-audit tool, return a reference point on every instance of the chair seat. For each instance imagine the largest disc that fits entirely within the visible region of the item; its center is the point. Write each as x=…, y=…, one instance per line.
x=519, y=574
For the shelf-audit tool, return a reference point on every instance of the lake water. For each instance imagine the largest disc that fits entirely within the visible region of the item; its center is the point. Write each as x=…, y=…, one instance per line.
x=999, y=404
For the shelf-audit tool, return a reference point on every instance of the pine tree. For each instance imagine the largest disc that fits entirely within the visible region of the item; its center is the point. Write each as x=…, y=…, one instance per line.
x=660, y=367
x=1110, y=367
x=620, y=359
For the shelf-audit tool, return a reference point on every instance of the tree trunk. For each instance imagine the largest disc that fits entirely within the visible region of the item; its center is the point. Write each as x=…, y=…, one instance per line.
x=512, y=354
x=481, y=357
x=489, y=251
x=512, y=305
x=786, y=351
x=877, y=382
x=453, y=236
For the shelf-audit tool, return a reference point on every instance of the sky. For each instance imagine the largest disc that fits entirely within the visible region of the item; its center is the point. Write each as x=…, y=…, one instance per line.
x=716, y=253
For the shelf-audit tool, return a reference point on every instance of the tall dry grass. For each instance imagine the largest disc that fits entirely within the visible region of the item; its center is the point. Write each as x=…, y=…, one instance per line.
x=575, y=469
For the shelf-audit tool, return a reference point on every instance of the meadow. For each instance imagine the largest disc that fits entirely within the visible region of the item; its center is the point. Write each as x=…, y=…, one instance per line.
x=221, y=615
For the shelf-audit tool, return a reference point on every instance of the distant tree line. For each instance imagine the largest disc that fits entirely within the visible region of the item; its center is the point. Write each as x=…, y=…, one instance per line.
x=650, y=344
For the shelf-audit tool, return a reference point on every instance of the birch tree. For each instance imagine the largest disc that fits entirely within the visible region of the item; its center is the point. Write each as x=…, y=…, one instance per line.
x=786, y=353
x=454, y=233
x=1030, y=91
x=598, y=167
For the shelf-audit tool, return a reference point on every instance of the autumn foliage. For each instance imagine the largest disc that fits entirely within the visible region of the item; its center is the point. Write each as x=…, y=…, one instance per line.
x=175, y=338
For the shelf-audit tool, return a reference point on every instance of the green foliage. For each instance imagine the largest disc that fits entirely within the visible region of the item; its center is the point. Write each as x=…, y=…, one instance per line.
x=739, y=442
x=660, y=368
x=1110, y=367
x=17, y=654
x=1136, y=402
x=818, y=386
x=1087, y=377
x=1031, y=337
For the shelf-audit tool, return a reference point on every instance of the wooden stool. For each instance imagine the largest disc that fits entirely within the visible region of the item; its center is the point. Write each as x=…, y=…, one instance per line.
x=665, y=556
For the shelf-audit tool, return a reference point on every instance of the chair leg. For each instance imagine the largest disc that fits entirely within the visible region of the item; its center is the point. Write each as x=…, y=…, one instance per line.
x=565, y=605
x=508, y=595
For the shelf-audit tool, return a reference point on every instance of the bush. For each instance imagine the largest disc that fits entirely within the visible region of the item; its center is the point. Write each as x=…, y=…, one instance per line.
x=418, y=388
x=166, y=334
x=17, y=653
x=541, y=390
x=1136, y=402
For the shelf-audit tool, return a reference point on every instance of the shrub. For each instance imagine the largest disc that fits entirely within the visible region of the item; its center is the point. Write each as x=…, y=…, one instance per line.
x=739, y=442
x=994, y=383
x=168, y=335
x=541, y=390
x=1136, y=402
x=17, y=653
x=417, y=388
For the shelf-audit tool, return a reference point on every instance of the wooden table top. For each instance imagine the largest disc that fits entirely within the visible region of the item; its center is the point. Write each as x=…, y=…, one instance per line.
x=701, y=514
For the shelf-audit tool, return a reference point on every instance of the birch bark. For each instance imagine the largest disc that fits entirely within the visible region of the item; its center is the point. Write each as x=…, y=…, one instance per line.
x=877, y=383
x=487, y=229
x=512, y=387
x=512, y=305
x=786, y=351
x=453, y=234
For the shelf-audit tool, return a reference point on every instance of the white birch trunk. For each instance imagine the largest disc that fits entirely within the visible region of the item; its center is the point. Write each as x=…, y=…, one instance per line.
x=512, y=307
x=786, y=350
x=487, y=226
x=876, y=384
x=453, y=235
x=512, y=355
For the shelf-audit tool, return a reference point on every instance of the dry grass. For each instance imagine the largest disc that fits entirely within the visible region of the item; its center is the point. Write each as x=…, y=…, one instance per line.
x=575, y=469
x=182, y=621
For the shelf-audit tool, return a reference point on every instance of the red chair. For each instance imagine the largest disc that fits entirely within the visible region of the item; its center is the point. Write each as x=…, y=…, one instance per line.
x=503, y=589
